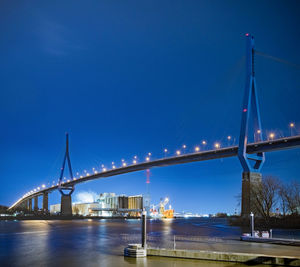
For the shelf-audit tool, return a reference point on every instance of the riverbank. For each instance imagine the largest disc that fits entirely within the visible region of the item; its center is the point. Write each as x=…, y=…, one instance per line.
x=286, y=222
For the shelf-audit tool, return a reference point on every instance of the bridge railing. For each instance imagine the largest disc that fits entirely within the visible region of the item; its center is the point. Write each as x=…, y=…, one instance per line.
x=177, y=241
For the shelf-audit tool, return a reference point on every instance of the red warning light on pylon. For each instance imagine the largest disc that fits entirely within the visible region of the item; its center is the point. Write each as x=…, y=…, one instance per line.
x=244, y=110
x=247, y=34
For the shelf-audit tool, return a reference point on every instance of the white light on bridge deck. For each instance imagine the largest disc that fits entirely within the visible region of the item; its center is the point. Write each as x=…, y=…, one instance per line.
x=197, y=148
x=272, y=135
x=165, y=150
x=104, y=169
x=113, y=166
x=292, y=125
x=43, y=186
x=178, y=152
x=229, y=137
x=124, y=164
x=203, y=142
x=38, y=188
x=147, y=158
x=258, y=131
x=134, y=161
x=217, y=145
x=81, y=176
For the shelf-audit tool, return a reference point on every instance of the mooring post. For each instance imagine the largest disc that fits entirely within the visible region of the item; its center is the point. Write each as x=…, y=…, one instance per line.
x=174, y=244
x=144, y=230
x=252, y=223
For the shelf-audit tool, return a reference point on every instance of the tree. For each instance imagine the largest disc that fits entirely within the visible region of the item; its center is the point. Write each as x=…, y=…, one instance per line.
x=290, y=197
x=264, y=196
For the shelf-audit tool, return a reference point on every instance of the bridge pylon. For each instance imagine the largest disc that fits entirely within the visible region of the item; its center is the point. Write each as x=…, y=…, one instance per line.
x=251, y=163
x=66, y=191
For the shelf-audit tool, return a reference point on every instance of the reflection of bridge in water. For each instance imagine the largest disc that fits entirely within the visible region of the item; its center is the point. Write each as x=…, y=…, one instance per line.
x=251, y=155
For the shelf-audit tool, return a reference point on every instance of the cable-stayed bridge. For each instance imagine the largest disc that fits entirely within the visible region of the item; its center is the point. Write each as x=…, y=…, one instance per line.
x=251, y=156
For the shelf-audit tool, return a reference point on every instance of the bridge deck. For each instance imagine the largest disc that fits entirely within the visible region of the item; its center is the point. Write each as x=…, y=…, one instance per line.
x=265, y=146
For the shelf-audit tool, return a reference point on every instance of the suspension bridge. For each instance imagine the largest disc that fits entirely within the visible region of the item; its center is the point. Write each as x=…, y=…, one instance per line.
x=251, y=155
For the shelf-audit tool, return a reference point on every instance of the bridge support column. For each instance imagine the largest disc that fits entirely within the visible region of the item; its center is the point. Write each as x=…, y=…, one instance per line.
x=36, y=204
x=30, y=204
x=249, y=180
x=251, y=163
x=66, y=205
x=144, y=229
x=45, y=202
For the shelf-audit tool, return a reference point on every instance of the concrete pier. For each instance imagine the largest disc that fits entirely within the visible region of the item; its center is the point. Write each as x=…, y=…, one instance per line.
x=249, y=179
x=66, y=205
x=36, y=204
x=30, y=204
x=45, y=202
x=246, y=258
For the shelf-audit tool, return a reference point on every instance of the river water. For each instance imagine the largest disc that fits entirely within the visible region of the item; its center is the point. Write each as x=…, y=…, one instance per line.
x=101, y=242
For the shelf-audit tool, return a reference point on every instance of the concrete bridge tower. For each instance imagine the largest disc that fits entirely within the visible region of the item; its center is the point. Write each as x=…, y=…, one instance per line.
x=251, y=163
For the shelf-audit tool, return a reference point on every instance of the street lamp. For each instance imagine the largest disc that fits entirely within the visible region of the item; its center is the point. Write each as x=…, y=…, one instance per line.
x=197, y=148
x=292, y=126
x=271, y=135
x=178, y=152
x=217, y=145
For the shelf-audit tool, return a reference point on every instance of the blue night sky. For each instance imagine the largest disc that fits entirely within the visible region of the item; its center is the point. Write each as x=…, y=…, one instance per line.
x=126, y=78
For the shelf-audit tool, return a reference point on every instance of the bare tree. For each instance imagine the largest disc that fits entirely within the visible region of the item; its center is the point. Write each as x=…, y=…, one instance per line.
x=264, y=196
x=290, y=197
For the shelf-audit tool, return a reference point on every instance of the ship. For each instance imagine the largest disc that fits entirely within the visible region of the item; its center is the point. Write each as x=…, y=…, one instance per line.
x=161, y=212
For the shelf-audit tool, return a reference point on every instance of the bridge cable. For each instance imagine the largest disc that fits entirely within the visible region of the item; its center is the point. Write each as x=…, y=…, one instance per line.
x=277, y=59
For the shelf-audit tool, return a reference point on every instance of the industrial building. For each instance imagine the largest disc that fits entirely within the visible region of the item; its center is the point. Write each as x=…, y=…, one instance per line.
x=108, y=205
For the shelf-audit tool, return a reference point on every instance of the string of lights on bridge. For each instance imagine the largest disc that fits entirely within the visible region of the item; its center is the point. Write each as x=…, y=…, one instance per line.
x=204, y=144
